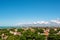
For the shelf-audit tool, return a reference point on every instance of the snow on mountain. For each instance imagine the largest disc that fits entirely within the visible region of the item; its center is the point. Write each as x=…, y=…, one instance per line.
x=54, y=23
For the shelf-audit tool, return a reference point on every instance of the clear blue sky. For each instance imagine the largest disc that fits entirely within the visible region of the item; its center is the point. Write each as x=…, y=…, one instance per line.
x=24, y=11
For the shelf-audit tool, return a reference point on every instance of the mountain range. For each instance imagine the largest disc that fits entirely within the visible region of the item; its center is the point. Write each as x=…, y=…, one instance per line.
x=54, y=23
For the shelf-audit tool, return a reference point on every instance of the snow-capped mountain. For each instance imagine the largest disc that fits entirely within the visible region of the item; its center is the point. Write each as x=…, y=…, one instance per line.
x=55, y=23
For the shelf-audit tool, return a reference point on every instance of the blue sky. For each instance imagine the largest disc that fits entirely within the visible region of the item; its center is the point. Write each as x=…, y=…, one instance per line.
x=27, y=11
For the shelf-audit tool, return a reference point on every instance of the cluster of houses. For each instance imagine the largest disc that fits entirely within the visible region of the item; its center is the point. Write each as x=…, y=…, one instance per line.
x=16, y=32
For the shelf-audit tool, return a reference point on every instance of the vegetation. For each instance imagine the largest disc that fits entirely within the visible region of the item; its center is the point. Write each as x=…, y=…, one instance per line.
x=30, y=34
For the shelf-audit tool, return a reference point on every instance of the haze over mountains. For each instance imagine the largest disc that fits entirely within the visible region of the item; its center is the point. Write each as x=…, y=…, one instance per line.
x=51, y=23
x=54, y=23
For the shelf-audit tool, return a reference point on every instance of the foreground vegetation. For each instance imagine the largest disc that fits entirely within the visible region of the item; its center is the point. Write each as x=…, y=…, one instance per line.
x=33, y=33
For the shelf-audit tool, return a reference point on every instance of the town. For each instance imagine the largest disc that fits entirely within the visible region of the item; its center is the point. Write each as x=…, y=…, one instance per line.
x=30, y=33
